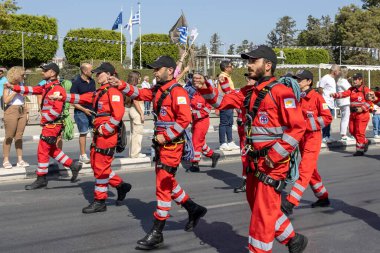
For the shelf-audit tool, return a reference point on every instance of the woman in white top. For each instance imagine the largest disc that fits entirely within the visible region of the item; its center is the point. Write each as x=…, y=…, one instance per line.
x=344, y=103
x=15, y=118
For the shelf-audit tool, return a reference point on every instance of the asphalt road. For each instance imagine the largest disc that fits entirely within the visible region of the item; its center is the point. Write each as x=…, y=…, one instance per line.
x=50, y=220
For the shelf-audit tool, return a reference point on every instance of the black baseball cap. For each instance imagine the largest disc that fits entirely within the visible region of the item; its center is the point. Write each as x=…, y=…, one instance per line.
x=163, y=61
x=357, y=76
x=261, y=51
x=105, y=67
x=50, y=66
x=303, y=74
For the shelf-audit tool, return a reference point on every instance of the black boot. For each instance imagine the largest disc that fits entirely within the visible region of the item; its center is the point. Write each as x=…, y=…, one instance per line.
x=75, y=168
x=40, y=182
x=154, y=238
x=196, y=212
x=366, y=147
x=215, y=158
x=194, y=167
x=122, y=191
x=321, y=203
x=297, y=244
x=286, y=207
x=96, y=206
x=358, y=153
x=241, y=188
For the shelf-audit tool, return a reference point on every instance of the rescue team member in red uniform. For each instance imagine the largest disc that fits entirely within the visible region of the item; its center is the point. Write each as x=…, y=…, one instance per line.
x=317, y=115
x=172, y=117
x=273, y=130
x=51, y=123
x=359, y=117
x=201, y=122
x=109, y=110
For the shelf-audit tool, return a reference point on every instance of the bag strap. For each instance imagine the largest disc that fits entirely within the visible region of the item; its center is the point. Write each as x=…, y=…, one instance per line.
x=44, y=96
x=162, y=98
x=101, y=93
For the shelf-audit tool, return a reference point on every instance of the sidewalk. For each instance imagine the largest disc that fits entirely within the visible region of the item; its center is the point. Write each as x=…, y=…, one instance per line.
x=142, y=164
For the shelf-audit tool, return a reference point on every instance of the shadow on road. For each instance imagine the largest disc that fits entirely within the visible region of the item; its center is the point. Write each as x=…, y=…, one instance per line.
x=221, y=236
x=230, y=179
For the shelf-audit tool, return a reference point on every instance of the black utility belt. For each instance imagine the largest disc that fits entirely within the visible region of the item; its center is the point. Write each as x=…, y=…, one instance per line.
x=354, y=108
x=258, y=153
x=169, y=169
x=278, y=185
x=106, y=151
x=49, y=139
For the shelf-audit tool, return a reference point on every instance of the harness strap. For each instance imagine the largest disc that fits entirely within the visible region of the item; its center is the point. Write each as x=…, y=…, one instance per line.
x=106, y=151
x=278, y=185
x=169, y=169
x=164, y=94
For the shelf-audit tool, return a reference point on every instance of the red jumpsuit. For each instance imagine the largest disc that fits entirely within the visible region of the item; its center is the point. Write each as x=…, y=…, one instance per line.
x=279, y=115
x=358, y=120
x=241, y=132
x=317, y=115
x=175, y=110
x=201, y=122
x=51, y=110
x=112, y=103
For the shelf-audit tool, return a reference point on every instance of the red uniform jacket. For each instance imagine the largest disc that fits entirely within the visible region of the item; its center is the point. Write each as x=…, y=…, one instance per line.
x=315, y=111
x=51, y=109
x=175, y=107
x=111, y=102
x=357, y=97
x=278, y=115
x=199, y=107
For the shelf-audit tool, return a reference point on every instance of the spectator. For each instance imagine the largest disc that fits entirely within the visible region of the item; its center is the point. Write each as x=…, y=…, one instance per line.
x=226, y=116
x=15, y=118
x=3, y=80
x=146, y=85
x=327, y=86
x=136, y=116
x=83, y=117
x=376, y=115
x=344, y=104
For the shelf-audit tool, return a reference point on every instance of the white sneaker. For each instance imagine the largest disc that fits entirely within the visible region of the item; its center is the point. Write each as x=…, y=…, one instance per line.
x=324, y=140
x=84, y=159
x=141, y=155
x=376, y=136
x=347, y=138
x=233, y=146
x=23, y=164
x=225, y=147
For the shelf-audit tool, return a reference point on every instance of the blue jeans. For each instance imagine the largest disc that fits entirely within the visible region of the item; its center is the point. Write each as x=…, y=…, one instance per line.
x=146, y=107
x=376, y=124
x=84, y=122
x=326, y=130
x=225, y=125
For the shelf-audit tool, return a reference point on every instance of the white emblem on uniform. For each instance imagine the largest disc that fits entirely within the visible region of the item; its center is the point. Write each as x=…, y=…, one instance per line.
x=263, y=119
x=290, y=103
x=181, y=101
x=199, y=105
x=45, y=101
x=115, y=98
x=359, y=98
x=163, y=112
x=100, y=105
x=325, y=106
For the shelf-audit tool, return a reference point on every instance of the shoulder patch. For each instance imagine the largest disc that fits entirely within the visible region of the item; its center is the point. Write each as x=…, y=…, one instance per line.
x=325, y=106
x=181, y=101
x=115, y=98
x=290, y=103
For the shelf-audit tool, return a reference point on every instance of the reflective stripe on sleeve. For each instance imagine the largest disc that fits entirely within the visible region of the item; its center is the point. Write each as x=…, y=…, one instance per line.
x=178, y=128
x=321, y=122
x=114, y=121
x=280, y=150
x=289, y=139
x=109, y=128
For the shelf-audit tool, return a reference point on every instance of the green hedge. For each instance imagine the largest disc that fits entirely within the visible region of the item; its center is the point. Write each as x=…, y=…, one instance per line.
x=304, y=56
x=150, y=52
x=37, y=48
x=77, y=51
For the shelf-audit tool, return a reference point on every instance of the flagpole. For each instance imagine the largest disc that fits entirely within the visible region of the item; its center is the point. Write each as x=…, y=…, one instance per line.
x=121, y=38
x=131, y=32
x=140, y=32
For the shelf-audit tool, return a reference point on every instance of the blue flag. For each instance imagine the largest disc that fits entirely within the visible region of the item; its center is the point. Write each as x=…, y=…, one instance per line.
x=118, y=21
x=183, y=34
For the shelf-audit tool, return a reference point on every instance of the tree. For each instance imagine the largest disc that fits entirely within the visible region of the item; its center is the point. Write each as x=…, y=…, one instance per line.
x=77, y=50
x=243, y=47
x=7, y=7
x=284, y=33
x=370, y=3
x=318, y=32
x=155, y=45
x=231, y=49
x=355, y=27
x=40, y=40
x=215, y=43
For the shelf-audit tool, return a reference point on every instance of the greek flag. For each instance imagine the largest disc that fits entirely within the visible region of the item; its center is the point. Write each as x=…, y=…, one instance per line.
x=183, y=34
x=118, y=21
x=134, y=20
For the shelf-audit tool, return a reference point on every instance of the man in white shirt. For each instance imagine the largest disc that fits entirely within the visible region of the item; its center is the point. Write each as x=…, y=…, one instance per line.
x=146, y=85
x=327, y=86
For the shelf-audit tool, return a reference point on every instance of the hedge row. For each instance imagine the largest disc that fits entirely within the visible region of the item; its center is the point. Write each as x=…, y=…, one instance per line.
x=304, y=56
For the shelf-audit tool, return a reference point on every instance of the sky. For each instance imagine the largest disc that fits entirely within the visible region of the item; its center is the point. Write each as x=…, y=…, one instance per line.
x=234, y=21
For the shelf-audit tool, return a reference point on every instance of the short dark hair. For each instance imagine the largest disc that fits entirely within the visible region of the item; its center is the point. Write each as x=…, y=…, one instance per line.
x=133, y=77
x=224, y=65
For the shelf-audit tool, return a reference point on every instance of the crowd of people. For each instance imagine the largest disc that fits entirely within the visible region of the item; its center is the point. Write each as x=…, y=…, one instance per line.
x=276, y=118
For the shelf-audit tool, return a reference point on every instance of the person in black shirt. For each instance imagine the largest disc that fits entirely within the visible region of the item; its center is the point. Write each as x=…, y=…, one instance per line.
x=83, y=83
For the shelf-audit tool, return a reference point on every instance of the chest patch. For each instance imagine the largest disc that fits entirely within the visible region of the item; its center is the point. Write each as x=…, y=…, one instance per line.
x=289, y=103
x=163, y=111
x=263, y=119
x=325, y=106
x=115, y=98
x=360, y=98
x=181, y=101
x=45, y=101
x=100, y=105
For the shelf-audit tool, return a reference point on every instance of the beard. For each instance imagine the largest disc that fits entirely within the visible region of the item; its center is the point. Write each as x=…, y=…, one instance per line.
x=163, y=78
x=258, y=74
